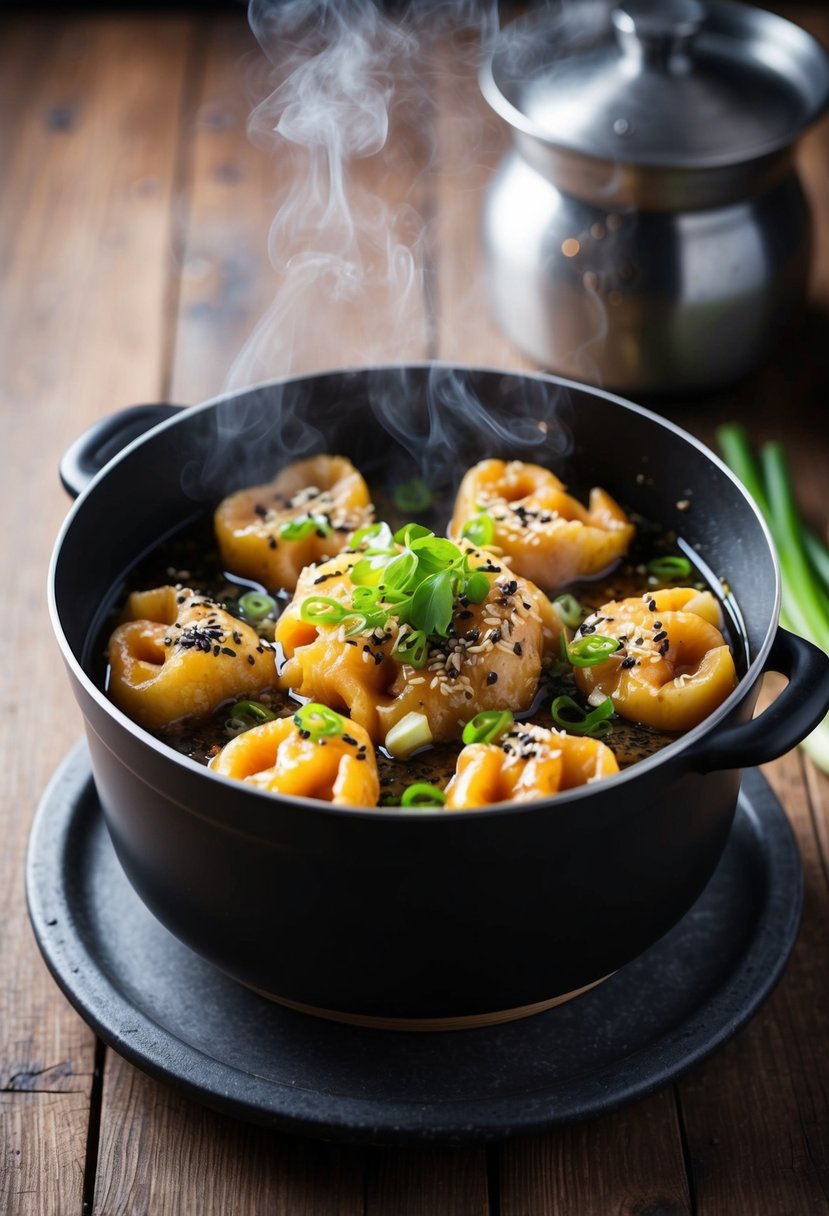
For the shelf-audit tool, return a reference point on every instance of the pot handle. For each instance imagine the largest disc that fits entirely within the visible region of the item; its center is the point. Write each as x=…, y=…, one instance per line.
x=786, y=722
x=94, y=449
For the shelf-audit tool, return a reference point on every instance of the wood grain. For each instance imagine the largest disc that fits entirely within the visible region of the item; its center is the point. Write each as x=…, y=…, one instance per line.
x=160, y=1152
x=579, y=1171
x=764, y=1098
x=44, y=1141
x=88, y=160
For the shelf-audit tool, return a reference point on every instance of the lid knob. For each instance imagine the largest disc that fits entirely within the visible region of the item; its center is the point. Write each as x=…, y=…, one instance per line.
x=658, y=33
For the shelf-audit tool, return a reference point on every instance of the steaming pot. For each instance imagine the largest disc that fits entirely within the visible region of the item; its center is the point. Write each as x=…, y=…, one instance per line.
x=647, y=230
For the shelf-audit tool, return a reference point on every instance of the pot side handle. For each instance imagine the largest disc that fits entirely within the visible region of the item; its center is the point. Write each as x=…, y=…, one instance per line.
x=94, y=449
x=786, y=722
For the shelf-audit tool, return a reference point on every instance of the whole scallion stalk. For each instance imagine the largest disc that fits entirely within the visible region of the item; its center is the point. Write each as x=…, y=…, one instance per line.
x=804, y=559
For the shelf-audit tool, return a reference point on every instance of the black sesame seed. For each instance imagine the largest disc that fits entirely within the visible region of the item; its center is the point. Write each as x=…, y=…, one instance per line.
x=251, y=660
x=516, y=649
x=228, y=651
x=492, y=677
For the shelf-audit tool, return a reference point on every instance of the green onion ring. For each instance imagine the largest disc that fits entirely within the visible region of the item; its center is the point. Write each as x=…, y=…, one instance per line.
x=245, y=714
x=569, y=716
x=413, y=649
x=569, y=609
x=255, y=605
x=590, y=650
x=669, y=566
x=423, y=794
x=317, y=722
x=487, y=726
x=322, y=610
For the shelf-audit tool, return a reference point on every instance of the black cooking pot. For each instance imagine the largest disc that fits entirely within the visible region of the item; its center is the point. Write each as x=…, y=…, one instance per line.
x=422, y=914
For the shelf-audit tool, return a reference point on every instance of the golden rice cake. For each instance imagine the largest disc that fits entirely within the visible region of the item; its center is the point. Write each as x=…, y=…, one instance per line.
x=544, y=533
x=526, y=764
x=280, y=758
x=673, y=667
x=268, y=533
x=177, y=654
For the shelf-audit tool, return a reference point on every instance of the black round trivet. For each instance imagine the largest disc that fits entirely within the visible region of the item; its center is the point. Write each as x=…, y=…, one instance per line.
x=164, y=1009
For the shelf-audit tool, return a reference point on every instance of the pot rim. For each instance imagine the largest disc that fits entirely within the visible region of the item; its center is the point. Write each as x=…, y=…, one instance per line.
x=566, y=798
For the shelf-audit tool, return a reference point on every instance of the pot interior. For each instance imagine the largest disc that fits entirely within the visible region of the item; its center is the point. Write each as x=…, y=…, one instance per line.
x=430, y=422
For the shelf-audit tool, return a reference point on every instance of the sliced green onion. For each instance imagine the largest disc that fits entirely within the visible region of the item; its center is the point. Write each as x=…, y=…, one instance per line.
x=317, y=722
x=423, y=794
x=669, y=566
x=487, y=726
x=306, y=525
x=246, y=714
x=571, y=717
x=413, y=495
x=408, y=735
x=413, y=649
x=480, y=530
x=322, y=610
x=255, y=605
x=590, y=650
x=569, y=609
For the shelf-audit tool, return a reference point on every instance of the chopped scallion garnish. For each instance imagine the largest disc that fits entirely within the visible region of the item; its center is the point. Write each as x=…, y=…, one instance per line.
x=487, y=726
x=322, y=610
x=668, y=567
x=245, y=714
x=422, y=794
x=570, y=716
x=255, y=605
x=591, y=650
x=316, y=722
x=569, y=609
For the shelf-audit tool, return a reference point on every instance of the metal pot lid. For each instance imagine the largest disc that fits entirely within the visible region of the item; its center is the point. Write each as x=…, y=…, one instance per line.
x=691, y=84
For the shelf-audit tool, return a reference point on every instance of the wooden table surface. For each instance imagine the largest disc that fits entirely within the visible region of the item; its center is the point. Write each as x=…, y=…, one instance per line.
x=134, y=233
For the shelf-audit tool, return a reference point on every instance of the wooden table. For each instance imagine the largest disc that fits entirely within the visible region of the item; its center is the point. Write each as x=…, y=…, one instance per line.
x=134, y=219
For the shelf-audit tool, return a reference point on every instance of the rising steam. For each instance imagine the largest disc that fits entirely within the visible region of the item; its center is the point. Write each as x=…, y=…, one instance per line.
x=350, y=244
x=349, y=241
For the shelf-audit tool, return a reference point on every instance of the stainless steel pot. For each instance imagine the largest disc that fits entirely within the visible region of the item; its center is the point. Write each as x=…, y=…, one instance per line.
x=647, y=230
x=392, y=915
